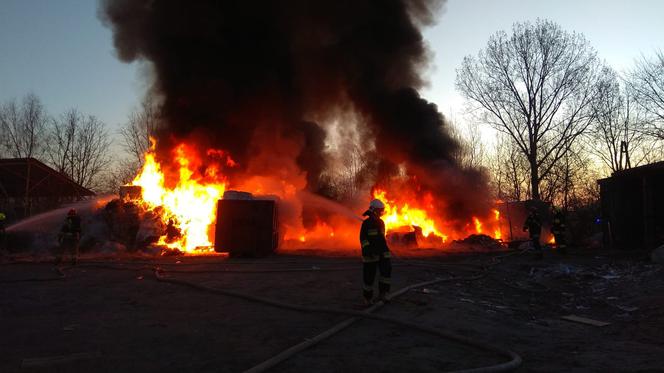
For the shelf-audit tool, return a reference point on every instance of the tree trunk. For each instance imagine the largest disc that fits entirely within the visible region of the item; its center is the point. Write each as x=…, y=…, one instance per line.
x=534, y=173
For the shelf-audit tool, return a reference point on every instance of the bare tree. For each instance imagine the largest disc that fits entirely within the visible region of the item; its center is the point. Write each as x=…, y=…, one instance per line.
x=79, y=147
x=472, y=152
x=535, y=85
x=616, y=135
x=142, y=124
x=353, y=173
x=121, y=173
x=23, y=127
x=509, y=170
x=23, y=131
x=646, y=82
x=567, y=180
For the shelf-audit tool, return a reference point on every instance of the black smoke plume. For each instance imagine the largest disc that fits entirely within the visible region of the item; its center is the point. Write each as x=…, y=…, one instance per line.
x=227, y=68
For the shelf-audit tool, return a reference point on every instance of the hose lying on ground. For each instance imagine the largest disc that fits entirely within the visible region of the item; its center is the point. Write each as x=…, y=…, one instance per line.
x=515, y=359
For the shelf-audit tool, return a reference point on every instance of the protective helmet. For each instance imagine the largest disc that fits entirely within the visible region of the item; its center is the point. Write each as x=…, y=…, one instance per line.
x=71, y=212
x=376, y=204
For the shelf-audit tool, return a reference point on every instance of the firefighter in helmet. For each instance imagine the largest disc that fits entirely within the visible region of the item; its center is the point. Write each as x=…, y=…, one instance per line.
x=558, y=228
x=533, y=225
x=69, y=236
x=375, y=253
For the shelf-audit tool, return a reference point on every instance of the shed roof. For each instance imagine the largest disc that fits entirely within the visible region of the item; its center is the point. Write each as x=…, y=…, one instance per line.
x=648, y=169
x=41, y=180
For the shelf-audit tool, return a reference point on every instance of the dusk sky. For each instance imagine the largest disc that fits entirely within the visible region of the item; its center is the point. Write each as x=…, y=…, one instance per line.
x=60, y=51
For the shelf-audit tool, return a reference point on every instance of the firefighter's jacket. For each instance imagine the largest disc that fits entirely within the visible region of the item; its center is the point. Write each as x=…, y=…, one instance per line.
x=558, y=226
x=533, y=225
x=372, y=237
x=71, y=229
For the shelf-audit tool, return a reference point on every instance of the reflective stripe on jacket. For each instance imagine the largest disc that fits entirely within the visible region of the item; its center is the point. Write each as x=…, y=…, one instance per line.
x=372, y=235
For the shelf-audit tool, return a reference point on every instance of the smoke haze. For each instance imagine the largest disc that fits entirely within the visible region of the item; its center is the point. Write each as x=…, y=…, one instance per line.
x=263, y=79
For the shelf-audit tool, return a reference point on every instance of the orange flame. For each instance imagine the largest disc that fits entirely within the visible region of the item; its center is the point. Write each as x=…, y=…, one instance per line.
x=191, y=203
x=403, y=215
x=478, y=225
x=184, y=192
x=497, y=234
x=409, y=214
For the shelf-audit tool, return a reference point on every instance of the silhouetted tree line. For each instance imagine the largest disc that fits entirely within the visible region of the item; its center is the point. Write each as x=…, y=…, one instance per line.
x=564, y=118
x=558, y=109
x=77, y=144
x=73, y=143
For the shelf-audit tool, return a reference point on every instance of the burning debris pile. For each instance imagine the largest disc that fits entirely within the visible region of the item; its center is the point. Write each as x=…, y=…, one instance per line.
x=482, y=241
x=266, y=98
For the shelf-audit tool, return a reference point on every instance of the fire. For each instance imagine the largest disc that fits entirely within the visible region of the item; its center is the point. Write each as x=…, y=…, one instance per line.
x=399, y=215
x=478, y=225
x=183, y=194
x=410, y=214
x=189, y=201
x=497, y=233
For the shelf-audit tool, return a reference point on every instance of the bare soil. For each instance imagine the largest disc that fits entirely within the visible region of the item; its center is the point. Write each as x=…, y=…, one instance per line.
x=99, y=319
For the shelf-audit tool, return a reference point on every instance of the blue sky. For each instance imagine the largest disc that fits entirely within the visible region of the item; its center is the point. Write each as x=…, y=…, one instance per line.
x=619, y=30
x=59, y=50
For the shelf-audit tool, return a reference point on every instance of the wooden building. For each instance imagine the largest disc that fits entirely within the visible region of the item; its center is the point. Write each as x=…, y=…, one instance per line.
x=28, y=186
x=632, y=208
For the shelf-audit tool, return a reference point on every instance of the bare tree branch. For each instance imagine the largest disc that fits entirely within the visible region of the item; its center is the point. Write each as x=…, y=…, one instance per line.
x=617, y=136
x=79, y=147
x=646, y=83
x=142, y=124
x=535, y=85
x=23, y=127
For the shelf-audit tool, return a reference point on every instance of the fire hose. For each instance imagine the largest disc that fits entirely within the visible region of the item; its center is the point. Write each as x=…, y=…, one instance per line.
x=513, y=363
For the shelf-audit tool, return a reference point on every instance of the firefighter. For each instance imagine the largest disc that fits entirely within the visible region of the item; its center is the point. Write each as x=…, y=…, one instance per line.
x=69, y=236
x=533, y=225
x=375, y=253
x=558, y=229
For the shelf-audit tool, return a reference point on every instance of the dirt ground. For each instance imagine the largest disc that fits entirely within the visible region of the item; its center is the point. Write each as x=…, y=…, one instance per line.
x=109, y=320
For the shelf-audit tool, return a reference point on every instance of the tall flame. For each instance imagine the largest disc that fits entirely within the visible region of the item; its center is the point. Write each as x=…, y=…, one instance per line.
x=183, y=194
x=412, y=213
x=399, y=215
x=478, y=225
x=190, y=204
x=497, y=233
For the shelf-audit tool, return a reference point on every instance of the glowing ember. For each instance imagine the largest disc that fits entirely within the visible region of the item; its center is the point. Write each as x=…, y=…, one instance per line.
x=189, y=200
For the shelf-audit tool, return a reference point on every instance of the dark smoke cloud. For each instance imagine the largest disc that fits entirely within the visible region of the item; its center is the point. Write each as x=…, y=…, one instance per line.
x=227, y=68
